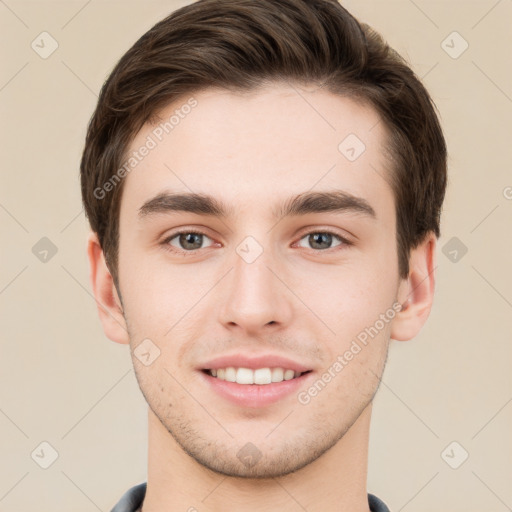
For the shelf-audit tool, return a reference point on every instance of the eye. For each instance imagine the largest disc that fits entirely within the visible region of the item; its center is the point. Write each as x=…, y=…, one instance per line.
x=186, y=241
x=323, y=240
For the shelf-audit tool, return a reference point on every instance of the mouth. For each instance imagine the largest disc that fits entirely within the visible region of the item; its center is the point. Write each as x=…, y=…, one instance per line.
x=258, y=388
x=254, y=380
x=258, y=377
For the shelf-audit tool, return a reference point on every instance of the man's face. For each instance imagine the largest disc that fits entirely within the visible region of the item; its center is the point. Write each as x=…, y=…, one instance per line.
x=293, y=288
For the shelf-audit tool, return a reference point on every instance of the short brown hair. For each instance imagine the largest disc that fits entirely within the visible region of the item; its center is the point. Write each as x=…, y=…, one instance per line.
x=241, y=44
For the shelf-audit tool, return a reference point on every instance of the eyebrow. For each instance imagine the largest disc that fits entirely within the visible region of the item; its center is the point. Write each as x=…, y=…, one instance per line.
x=337, y=201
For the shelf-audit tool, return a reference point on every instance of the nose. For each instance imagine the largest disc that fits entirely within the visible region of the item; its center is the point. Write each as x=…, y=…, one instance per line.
x=255, y=300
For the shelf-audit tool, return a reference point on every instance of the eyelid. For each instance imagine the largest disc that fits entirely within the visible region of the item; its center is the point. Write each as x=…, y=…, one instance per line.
x=342, y=234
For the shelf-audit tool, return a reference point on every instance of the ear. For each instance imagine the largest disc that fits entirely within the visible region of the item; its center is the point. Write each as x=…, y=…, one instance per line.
x=416, y=292
x=110, y=308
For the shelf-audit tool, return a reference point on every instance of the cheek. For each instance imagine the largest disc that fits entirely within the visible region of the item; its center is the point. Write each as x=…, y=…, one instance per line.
x=147, y=306
x=164, y=301
x=360, y=313
x=351, y=296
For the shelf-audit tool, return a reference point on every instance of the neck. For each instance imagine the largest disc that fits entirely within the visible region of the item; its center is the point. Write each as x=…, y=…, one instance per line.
x=334, y=482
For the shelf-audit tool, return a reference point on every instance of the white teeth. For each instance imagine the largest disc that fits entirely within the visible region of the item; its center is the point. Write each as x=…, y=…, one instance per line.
x=289, y=374
x=262, y=376
x=249, y=376
x=230, y=374
x=244, y=376
x=277, y=374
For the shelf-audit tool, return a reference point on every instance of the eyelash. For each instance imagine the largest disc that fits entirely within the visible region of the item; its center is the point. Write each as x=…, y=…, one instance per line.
x=174, y=250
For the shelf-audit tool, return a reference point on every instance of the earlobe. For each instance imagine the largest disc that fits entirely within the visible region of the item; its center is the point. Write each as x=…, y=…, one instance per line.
x=109, y=305
x=416, y=293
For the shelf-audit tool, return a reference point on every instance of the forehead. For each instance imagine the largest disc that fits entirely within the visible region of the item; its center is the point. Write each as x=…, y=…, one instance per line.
x=256, y=146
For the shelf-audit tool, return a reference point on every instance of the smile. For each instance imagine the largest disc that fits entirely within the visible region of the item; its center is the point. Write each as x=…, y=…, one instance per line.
x=252, y=394
x=259, y=376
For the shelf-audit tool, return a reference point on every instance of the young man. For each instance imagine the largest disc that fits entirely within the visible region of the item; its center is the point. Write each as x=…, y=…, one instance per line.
x=264, y=181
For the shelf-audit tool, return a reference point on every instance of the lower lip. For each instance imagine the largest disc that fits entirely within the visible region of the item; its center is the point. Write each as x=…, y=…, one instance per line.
x=255, y=395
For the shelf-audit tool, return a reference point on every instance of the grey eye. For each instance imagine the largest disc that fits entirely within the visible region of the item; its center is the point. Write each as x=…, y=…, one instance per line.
x=188, y=240
x=320, y=240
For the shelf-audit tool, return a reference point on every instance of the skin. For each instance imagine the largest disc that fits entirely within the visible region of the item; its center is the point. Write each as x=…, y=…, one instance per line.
x=253, y=151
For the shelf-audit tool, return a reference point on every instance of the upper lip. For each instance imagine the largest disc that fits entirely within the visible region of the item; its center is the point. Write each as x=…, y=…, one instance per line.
x=254, y=362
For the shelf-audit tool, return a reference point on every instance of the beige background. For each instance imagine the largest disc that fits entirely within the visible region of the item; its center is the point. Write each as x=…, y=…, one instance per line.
x=63, y=382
